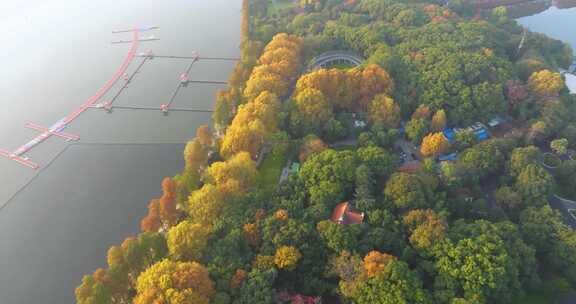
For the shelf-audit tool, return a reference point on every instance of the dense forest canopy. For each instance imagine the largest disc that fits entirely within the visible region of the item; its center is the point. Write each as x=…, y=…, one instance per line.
x=377, y=183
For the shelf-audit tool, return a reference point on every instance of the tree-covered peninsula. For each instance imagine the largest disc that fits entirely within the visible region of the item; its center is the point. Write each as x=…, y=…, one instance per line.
x=368, y=151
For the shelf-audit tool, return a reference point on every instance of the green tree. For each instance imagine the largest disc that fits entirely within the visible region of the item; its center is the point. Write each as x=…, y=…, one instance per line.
x=380, y=161
x=522, y=157
x=395, y=284
x=406, y=191
x=258, y=288
x=534, y=183
x=553, y=240
x=465, y=139
x=507, y=199
x=91, y=291
x=474, y=269
x=339, y=237
x=332, y=166
x=416, y=129
x=481, y=160
x=560, y=146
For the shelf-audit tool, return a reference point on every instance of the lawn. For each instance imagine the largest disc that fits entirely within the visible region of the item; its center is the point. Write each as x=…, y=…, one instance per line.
x=270, y=170
x=550, y=291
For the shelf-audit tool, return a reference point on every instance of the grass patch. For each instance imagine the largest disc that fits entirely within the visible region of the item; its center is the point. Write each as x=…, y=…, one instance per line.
x=270, y=170
x=342, y=66
x=551, y=290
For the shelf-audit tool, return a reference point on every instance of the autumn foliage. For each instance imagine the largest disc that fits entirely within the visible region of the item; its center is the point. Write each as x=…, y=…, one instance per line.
x=205, y=204
x=162, y=212
x=175, y=283
x=233, y=176
x=546, y=83
x=151, y=222
x=375, y=262
x=251, y=234
x=312, y=144
x=238, y=278
x=278, y=65
x=439, y=121
x=187, y=240
x=287, y=257
x=434, y=144
x=348, y=90
x=422, y=112
x=384, y=110
x=426, y=228
x=281, y=215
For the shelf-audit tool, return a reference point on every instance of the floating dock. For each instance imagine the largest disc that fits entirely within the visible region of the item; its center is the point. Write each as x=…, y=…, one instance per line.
x=142, y=29
x=95, y=102
x=57, y=128
x=190, y=57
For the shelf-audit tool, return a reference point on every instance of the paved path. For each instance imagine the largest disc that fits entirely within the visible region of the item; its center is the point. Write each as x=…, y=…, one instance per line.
x=563, y=205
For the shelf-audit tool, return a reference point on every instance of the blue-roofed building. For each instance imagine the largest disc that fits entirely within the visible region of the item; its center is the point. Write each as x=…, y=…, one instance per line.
x=572, y=68
x=450, y=134
x=481, y=134
x=448, y=157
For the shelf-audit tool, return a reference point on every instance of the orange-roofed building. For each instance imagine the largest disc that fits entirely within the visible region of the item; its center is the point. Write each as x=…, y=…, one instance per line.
x=344, y=215
x=411, y=167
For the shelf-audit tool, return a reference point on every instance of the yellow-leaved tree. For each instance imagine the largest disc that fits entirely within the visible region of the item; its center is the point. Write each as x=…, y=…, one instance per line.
x=240, y=168
x=439, y=121
x=546, y=83
x=265, y=107
x=248, y=137
x=261, y=82
x=187, y=240
x=205, y=204
x=315, y=109
x=385, y=111
x=287, y=257
x=174, y=283
x=434, y=144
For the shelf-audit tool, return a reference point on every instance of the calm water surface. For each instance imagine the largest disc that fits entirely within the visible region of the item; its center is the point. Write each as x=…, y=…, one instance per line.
x=556, y=23
x=56, y=54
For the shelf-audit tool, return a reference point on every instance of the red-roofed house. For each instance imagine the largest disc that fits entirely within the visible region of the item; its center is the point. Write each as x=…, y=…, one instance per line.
x=411, y=167
x=344, y=215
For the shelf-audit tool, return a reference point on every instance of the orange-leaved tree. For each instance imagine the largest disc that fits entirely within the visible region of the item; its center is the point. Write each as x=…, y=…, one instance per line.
x=434, y=144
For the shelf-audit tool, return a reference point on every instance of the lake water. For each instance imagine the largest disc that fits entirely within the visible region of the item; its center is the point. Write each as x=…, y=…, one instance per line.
x=556, y=23
x=56, y=54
